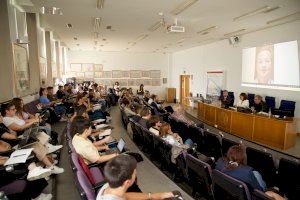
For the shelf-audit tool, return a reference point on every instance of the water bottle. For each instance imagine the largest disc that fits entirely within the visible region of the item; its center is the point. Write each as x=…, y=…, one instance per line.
x=270, y=113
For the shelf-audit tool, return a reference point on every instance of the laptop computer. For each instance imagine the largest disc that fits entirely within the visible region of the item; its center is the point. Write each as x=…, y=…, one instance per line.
x=118, y=149
x=28, y=137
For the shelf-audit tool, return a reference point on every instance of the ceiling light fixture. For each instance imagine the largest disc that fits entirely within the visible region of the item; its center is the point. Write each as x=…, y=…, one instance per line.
x=183, y=6
x=235, y=33
x=75, y=38
x=100, y=4
x=51, y=10
x=69, y=25
x=141, y=37
x=253, y=12
x=272, y=9
x=207, y=30
x=157, y=25
x=285, y=19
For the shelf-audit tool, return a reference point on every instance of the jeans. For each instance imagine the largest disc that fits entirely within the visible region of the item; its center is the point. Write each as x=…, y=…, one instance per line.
x=102, y=102
x=189, y=142
x=259, y=179
x=46, y=129
x=60, y=109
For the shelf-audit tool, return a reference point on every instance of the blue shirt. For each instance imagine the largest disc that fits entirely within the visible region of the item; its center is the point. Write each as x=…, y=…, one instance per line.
x=44, y=100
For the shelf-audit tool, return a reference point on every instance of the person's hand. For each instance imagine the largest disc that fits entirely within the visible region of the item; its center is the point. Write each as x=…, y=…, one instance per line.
x=107, y=139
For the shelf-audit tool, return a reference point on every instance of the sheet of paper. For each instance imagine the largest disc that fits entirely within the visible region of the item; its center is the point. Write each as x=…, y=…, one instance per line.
x=106, y=132
x=100, y=126
x=18, y=156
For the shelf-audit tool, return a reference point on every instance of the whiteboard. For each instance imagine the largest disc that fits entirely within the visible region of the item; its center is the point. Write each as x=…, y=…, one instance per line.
x=215, y=82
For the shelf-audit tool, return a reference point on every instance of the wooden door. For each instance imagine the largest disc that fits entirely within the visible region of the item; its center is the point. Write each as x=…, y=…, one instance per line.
x=184, y=89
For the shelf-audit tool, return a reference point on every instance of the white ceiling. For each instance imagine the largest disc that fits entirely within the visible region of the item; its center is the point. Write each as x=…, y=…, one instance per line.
x=132, y=18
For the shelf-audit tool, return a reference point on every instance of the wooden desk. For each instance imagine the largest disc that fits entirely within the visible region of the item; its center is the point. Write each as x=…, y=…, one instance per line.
x=268, y=131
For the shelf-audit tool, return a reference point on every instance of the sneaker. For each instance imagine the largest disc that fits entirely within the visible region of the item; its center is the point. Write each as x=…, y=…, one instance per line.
x=38, y=173
x=44, y=196
x=56, y=170
x=52, y=148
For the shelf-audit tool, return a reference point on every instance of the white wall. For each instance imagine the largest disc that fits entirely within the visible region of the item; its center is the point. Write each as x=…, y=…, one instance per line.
x=222, y=56
x=125, y=61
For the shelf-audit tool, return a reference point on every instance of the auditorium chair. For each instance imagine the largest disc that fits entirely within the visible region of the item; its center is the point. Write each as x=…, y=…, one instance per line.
x=183, y=130
x=251, y=99
x=226, y=144
x=196, y=135
x=148, y=140
x=288, y=106
x=70, y=147
x=139, y=132
x=259, y=195
x=174, y=125
x=289, y=178
x=135, y=136
x=228, y=188
x=263, y=162
x=86, y=190
x=199, y=176
x=270, y=101
x=211, y=145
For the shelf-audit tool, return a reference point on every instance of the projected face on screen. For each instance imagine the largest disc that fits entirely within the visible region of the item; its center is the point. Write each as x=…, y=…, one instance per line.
x=264, y=66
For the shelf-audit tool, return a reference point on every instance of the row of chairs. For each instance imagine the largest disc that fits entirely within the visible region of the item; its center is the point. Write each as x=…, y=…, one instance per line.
x=212, y=145
x=88, y=178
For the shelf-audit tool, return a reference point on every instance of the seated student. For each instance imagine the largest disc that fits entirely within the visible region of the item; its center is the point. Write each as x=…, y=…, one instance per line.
x=60, y=94
x=50, y=94
x=120, y=173
x=179, y=115
x=243, y=102
x=145, y=114
x=146, y=96
x=59, y=109
x=82, y=129
x=140, y=91
x=126, y=105
x=226, y=100
x=27, y=117
x=33, y=188
x=234, y=165
x=156, y=105
x=259, y=105
x=166, y=134
x=10, y=121
x=137, y=111
x=154, y=124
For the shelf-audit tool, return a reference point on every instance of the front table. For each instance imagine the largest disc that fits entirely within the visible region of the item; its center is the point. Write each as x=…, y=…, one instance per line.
x=268, y=131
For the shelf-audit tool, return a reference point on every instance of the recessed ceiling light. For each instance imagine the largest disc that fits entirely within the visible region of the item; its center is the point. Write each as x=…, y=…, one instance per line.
x=75, y=38
x=104, y=39
x=101, y=45
x=69, y=25
x=108, y=27
x=78, y=45
x=161, y=14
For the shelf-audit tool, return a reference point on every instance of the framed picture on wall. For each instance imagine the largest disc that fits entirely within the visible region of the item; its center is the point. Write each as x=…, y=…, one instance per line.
x=117, y=74
x=155, y=74
x=156, y=82
x=135, y=74
x=146, y=74
x=131, y=82
x=107, y=74
x=89, y=75
x=80, y=75
x=98, y=67
x=75, y=67
x=87, y=67
x=98, y=74
x=126, y=74
x=21, y=69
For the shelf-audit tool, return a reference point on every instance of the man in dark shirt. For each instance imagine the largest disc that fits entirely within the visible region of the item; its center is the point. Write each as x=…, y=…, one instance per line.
x=225, y=99
x=259, y=105
x=60, y=94
x=145, y=114
x=50, y=94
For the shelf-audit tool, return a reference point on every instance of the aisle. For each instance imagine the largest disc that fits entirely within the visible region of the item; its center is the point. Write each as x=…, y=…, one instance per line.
x=150, y=178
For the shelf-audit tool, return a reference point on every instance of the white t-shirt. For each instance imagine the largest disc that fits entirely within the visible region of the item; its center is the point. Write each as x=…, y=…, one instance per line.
x=154, y=131
x=244, y=104
x=101, y=196
x=7, y=121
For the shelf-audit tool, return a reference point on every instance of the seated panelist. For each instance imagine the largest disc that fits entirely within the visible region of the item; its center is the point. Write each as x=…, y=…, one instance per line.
x=225, y=99
x=259, y=104
x=243, y=102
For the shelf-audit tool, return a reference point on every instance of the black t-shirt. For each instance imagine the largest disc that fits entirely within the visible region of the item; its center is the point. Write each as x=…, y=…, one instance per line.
x=60, y=94
x=3, y=129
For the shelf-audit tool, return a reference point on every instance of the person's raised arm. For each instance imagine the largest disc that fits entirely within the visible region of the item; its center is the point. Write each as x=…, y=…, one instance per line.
x=16, y=127
x=9, y=136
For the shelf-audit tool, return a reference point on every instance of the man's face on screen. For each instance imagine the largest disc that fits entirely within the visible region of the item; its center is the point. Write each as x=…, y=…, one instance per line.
x=264, y=65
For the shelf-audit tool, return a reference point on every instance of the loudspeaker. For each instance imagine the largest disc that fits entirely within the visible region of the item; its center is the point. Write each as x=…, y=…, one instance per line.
x=234, y=40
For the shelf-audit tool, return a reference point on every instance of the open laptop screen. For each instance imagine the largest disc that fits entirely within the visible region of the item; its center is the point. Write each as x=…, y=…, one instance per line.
x=121, y=145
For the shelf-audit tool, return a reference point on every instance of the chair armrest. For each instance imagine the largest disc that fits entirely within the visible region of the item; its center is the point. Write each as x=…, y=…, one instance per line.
x=101, y=165
x=99, y=185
